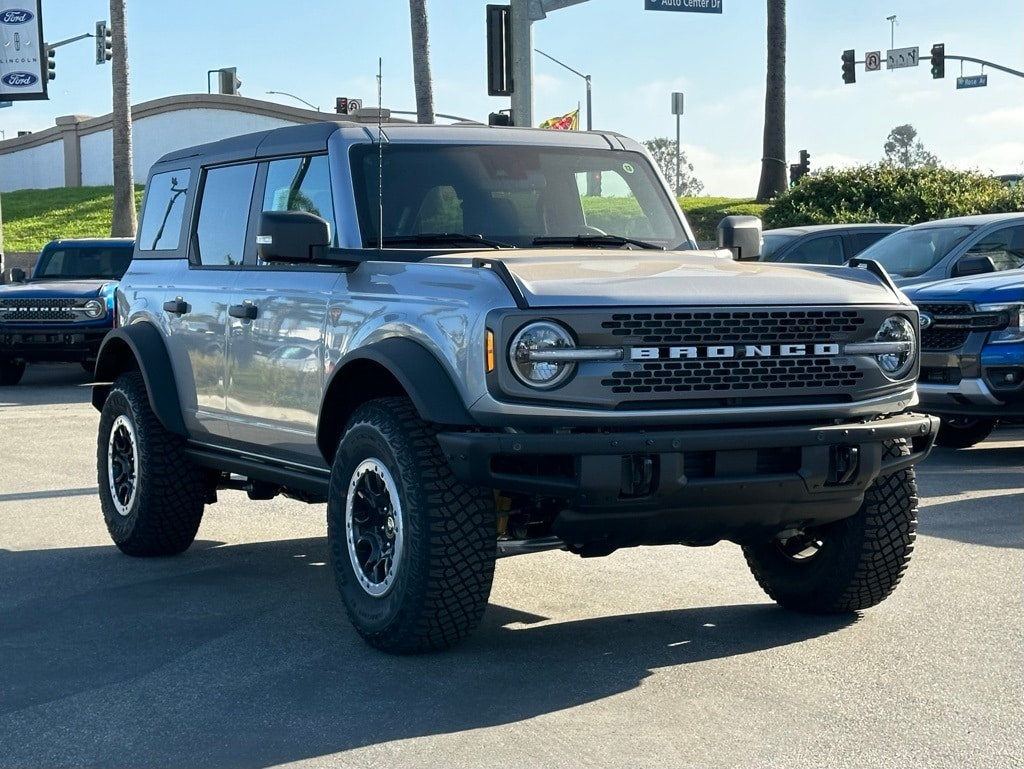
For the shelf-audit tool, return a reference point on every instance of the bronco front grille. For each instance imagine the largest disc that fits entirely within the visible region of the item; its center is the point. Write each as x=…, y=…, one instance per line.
x=725, y=326
x=38, y=310
x=756, y=375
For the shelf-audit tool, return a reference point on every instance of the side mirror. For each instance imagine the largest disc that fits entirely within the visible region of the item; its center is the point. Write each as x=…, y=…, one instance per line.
x=973, y=265
x=17, y=275
x=291, y=236
x=742, y=235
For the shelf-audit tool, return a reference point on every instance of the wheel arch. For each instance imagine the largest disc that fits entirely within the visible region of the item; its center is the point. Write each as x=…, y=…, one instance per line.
x=140, y=347
x=392, y=367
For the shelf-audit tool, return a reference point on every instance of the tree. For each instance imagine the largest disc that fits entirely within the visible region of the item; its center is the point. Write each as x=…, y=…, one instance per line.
x=904, y=149
x=774, y=179
x=421, y=61
x=124, y=220
x=663, y=150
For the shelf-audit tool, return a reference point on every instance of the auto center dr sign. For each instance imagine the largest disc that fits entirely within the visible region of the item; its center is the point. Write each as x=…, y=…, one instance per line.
x=23, y=63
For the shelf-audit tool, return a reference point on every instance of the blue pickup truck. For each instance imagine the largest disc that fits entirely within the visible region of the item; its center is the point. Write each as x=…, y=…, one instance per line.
x=972, y=357
x=62, y=311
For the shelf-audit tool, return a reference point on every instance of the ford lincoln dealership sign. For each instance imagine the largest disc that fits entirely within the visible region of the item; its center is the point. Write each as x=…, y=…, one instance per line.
x=23, y=70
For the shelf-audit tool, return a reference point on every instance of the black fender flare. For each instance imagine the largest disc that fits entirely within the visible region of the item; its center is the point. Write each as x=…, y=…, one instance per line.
x=140, y=346
x=412, y=366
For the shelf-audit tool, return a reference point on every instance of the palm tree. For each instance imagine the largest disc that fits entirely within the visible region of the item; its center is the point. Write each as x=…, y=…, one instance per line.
x=773, y=152
x=420, y=61
x=124, y=220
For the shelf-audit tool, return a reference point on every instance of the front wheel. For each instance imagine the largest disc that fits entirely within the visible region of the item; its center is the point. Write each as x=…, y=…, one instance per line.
x=963, y=432
x=151, y=494
x=11, y=371
x=412, y=549
x=848, y=565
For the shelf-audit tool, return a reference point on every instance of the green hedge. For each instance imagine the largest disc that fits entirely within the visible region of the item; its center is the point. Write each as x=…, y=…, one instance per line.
x=888, y=193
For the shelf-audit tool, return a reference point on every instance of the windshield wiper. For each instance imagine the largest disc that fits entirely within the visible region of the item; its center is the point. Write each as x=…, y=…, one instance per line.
x=448, y=238
x=592, y=240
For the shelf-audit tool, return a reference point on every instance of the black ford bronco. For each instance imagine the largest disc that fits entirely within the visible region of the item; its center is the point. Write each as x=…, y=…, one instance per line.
x=473, y=342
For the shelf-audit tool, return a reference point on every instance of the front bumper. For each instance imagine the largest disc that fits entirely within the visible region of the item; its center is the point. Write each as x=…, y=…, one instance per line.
x=51, y=344
x=656, y=486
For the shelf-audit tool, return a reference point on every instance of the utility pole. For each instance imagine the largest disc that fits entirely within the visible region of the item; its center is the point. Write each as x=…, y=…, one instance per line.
x=524, y=13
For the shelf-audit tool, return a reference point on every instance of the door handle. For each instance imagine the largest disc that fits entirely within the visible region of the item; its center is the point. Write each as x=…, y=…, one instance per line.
x=246, y=311
x=176, y=306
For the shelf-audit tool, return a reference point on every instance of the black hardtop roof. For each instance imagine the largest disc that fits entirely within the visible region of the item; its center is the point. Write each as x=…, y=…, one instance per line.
x=313, y=137
x=273, y=141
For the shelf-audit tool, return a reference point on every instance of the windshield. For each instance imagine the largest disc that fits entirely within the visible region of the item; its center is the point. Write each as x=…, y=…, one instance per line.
x=772, y=242
x=83, y=263
x=511, y=195
x=915, y=250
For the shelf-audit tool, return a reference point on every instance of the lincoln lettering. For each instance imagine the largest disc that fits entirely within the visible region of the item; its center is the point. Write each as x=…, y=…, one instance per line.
x=734, y=351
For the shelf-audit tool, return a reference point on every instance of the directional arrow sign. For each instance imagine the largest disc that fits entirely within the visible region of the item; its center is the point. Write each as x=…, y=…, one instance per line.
x=691, y=6
x=901, y=57
x=972, y=81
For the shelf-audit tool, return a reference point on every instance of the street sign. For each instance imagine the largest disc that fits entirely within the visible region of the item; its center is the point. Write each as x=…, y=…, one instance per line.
x=872, y=61
x=897, y=58
x=972, y=81
x=692, y=6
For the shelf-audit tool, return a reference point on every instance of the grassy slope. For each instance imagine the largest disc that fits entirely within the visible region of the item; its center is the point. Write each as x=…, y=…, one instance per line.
x=31, y=218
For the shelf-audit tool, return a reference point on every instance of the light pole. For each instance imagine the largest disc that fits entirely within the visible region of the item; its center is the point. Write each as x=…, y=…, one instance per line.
x=590, y=124
x=892, y=30
x=297, y=98
x=677, y=110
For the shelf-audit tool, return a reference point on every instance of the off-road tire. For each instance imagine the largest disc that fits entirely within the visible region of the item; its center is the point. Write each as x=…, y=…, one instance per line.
x=963, y=432
x=861, y=559
x=151, y=494
x=11, y=372
x=437, y=588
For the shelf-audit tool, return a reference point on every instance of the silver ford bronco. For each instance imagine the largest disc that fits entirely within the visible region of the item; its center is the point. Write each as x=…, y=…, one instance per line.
x=473, y=342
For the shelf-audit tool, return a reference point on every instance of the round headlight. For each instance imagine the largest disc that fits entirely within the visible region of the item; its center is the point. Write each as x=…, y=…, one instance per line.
x=899, y=333
x=94, y=308
x=526, y=355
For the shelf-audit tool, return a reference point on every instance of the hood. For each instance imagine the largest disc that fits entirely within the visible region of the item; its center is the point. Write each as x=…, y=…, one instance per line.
x=602, y=277
x=57, y=289
x=991, y=288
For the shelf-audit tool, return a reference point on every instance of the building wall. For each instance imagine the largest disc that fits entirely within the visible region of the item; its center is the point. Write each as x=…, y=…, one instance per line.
x=78, y=150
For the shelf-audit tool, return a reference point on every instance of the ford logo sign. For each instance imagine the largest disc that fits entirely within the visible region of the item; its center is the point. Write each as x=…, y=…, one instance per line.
x=19, y=79
x=16, y=16
x=926, y=321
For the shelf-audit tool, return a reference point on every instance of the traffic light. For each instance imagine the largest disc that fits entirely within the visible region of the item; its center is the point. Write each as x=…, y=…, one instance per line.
x=794, y=173
x=805, y=162
x=103, y=42
x=229, y=82
x=51, y=63
x=938, y=60
x=849, y=74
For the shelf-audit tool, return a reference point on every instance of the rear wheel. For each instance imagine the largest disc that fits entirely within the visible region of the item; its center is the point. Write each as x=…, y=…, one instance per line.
x=412, y=549
x=151, y=494
x=848, y=565
x=11, y=371
x=962, y=432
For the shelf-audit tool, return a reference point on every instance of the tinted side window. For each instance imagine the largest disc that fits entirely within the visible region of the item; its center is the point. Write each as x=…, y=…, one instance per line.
x=861, y=240
x=825, y=250
x=301, y=184
x=164, y=211
x=224, y=215
x=1005, y=247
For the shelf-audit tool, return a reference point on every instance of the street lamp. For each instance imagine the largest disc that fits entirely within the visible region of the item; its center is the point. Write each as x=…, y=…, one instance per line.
x=677, y=110
x=590, y=125
x=297, y=98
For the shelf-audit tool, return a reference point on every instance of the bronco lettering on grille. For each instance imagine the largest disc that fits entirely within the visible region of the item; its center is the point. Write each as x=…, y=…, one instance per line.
x=734, y=351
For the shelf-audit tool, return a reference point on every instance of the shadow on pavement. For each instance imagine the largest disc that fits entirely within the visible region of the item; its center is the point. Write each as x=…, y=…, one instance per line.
x=241, y=656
